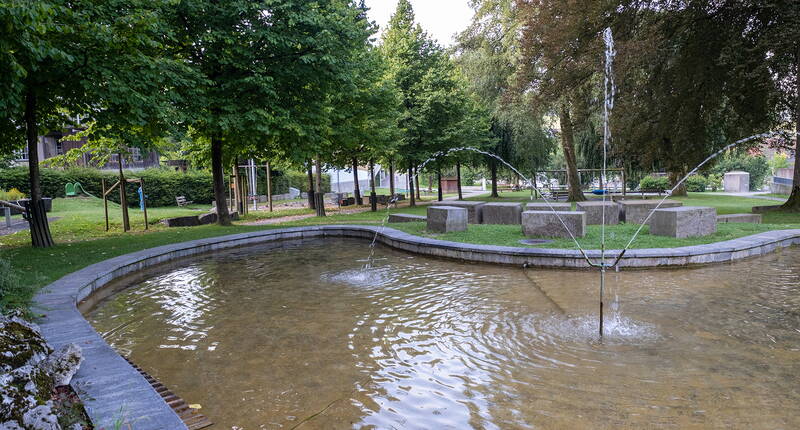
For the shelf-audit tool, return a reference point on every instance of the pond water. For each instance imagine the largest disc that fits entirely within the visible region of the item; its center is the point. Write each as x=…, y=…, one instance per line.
x=295, y=335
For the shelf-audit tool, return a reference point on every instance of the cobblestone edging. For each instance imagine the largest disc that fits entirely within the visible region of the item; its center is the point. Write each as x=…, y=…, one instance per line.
x=112, y=389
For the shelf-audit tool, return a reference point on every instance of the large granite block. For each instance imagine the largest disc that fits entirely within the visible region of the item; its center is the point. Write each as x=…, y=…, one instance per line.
x=444, y=219
x=636, y=211
x=181, y=221
x=542, y=206
x=502, y=213
x=548, y=224
x=736, y=182
x=474, y=209
x=687, y=221
x=751, y=218
x=395, y=218
x=595, y=209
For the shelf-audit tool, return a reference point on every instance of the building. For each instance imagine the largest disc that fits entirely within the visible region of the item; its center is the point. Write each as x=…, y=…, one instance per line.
x=58, y=143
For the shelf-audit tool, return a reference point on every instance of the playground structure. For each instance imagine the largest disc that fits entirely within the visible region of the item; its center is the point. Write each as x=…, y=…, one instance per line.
x=123, y=201
x=583, y=174
x=243, y=186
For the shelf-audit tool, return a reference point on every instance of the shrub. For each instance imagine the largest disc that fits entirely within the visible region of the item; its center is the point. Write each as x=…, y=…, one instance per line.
x=756, y=166
x=651, y=182
x=282, y=180
x=11, y=195
x=714, y=181
x=696, y=183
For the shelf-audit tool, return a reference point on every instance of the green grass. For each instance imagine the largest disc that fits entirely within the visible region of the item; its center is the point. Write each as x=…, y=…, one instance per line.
x=780, y=196
x=81, y=238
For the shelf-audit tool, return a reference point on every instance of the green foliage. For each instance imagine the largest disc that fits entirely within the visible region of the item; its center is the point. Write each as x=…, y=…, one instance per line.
x=779, y=161
x=651, y=182
x=11, y=195
x=281, y=181
x=714, y=181
x=757, y=166
x=696, y=183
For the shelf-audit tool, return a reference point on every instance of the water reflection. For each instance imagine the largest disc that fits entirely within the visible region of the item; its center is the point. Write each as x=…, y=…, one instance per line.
x=272, y=337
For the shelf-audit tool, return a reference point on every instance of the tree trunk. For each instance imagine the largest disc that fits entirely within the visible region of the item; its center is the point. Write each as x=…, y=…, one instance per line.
x=440, y=197
x=458, y=180
x=319, y=195
x=568, y=144
x=312, y=202
x=356, y=185
x=123, y=196
x=218, y=178
x=412, y=201
x=373, y=197
x=391, y=179
x=416, y=179
x=493, y=167
x=674, y=177
x=36, y=215
x=793, y=204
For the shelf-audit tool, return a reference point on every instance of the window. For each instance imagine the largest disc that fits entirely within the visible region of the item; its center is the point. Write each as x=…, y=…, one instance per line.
x=136, y=154
x=22, y=154
x=59, y=147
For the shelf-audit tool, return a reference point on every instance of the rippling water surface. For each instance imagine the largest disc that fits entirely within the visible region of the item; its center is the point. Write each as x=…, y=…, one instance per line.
x=291, y=335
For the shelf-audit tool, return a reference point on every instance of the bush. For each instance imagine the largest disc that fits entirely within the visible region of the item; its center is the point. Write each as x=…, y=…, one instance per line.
x=714, y=181
x=11, y=195
x=651, y=182
x=756, y=166
x=696, y=183
x=282, y=180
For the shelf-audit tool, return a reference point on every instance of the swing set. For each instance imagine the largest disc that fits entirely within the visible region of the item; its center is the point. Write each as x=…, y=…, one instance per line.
x=123, y=201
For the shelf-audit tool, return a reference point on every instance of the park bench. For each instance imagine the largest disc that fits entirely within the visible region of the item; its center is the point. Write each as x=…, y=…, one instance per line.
x=644, y=191
x=181, y=200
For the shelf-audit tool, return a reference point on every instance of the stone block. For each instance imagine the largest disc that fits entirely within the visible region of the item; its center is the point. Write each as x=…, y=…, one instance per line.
x=502, y=213
x=474, y=209
x=395, y=218
x=636, y=211
x=750, y=218
x=444, y=219
x=547, y=223
x=595, y=209
x=542, y=206
x=207, y=218
x=687, y=221
x=736, y=182
x=181, y=221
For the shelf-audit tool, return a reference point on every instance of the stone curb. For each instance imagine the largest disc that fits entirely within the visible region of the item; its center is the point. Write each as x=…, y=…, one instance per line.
x=112, y=389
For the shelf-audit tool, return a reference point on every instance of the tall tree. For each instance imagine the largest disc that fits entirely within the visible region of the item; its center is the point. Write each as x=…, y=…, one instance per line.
x=98, y=60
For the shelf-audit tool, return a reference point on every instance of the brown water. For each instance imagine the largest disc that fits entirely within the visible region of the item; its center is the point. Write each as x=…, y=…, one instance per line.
x=281, y=336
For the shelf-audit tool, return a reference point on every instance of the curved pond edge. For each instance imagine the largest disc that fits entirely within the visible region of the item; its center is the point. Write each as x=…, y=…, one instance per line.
x=112, y=390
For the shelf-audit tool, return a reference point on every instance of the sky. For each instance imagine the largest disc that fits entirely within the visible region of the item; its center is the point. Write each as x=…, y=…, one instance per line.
x=440, y=18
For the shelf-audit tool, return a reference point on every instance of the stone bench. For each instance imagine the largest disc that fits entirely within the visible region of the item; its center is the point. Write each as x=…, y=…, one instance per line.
x=395, y=218
x=681, y=222
x=636, y=211
x=444, y=219
x=547, y=223
x=595, y=209
x=542, y=206
x=501, y=213
x=181, y=221
x=474, y=209
x=750, y=218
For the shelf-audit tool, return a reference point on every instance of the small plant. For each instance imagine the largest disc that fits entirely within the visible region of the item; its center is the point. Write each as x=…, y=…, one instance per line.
x=11, y=195
x=696, y=183
x=650, y=182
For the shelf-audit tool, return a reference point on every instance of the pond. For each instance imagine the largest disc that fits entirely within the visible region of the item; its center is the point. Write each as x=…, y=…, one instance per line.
x=295, y=334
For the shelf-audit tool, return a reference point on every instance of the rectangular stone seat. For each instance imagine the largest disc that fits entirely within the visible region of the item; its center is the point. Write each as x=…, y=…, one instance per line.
x=547, y=223
x=474, y=209
x=542, y=206
x=751, y=218
x=502, y=213
x=181, y=221
x=594, y=212
x=395, y=218
x=681, y=222
x=636, y=211
x=444, y=219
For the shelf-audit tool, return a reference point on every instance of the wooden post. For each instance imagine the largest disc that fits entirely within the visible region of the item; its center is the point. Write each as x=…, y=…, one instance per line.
x=624, y=183
x=105, y=201
x=319, y=195
x=144, y=203
x=391, y=179
x=269, y=187
x=123, y=198
x=458, y=180
x=373, y=197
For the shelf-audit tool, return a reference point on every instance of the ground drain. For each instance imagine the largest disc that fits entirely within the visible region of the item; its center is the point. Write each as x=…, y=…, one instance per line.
x=193, y=419
x=535, y=241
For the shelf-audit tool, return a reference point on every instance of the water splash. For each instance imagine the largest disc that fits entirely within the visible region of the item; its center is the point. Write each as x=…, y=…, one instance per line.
x=584, y=329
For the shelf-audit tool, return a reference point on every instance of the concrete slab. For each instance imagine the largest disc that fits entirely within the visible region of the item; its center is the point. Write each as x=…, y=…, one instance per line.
x=502, y=213
x=681, y=222
x=395, y=218
x=474, y=209
x=445, y=219
x=595, y=210
x=636, y=211
x=745, y=218
x=542, y=206
x=551, y=224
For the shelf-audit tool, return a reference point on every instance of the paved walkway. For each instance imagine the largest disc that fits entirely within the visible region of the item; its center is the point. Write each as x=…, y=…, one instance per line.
x=18, y=224
x=755, y=195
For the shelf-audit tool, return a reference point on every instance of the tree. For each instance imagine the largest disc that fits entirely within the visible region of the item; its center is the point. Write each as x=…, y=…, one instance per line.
x=95, y=60
x=269, y=69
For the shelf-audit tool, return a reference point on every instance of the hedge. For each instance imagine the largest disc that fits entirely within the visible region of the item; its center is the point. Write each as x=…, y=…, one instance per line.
x=650, y=182
x=696, y=183
x=161, y=185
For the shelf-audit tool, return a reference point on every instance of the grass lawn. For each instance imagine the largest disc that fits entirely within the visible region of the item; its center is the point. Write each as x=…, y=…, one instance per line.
x=81, y=238
x=780, y=196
